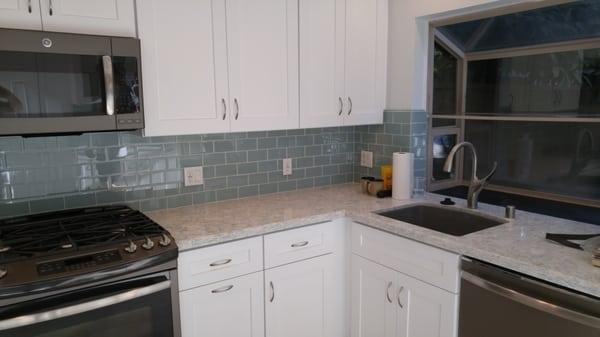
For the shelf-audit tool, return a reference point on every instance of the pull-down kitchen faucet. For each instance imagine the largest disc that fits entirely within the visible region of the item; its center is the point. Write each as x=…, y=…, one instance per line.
x=476, y=185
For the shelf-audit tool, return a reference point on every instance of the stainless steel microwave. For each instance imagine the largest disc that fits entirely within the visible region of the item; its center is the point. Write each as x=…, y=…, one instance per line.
x=54, y=83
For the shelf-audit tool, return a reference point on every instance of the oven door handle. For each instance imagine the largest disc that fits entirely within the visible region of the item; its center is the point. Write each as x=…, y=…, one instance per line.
x=532, y=302
x=109, y=84
x=80, y=308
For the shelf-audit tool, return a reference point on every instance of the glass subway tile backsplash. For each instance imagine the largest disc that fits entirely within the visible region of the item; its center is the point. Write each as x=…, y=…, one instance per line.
x=52, y=173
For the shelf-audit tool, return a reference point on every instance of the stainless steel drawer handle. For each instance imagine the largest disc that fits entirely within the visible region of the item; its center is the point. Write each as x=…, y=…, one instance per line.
x=237, y=108
x=50, y=8
x=224, y=108
x=387, y=292
x=351, y=105
x=222, y=289
x=272, y=292
x=300, y=244
x=220, y=262
x=398, y=297
x=29, y=6
x=341, y=106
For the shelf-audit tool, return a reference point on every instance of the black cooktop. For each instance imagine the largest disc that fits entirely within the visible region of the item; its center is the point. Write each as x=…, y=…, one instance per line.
x=72, y=231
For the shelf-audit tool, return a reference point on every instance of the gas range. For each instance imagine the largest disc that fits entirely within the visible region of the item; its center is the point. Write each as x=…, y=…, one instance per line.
x=55, y=250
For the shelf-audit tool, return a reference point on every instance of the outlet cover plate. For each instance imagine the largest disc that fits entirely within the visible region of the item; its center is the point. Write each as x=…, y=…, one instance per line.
x=193, y=176
x=366, y=159
x=287, y=166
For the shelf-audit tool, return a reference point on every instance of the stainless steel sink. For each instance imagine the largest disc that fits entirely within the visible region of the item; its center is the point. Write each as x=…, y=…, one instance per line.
x=447, y=220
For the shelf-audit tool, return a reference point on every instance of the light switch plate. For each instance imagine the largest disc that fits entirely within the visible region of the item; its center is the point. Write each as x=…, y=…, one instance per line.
x=366, y=159
x=287, y=166
x=193, y=176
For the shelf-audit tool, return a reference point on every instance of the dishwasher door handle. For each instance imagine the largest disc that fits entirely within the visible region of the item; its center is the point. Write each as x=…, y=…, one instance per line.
x=532, y=302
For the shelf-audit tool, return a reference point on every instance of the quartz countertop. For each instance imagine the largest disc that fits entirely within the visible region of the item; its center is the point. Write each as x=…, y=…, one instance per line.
x=519, y=245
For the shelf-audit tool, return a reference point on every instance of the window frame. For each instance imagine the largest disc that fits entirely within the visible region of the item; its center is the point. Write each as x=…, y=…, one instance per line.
x=459, y=129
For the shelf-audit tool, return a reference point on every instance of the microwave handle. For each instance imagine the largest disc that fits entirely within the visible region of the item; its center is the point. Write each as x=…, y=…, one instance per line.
x=109, y=84
x=17, y=322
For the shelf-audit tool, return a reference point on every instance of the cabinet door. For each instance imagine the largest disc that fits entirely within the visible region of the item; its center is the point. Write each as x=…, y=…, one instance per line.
x=101, y=17
x=374, y=310
x=232, y=308
x=426, y=311
x=185, y=68
x=262, y=39
x=366, y=57
x=302, y=299
x=20, y=14
x=322, y=44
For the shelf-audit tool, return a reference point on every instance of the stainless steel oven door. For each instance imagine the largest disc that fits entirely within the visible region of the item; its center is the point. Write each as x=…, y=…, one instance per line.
x=141, y=307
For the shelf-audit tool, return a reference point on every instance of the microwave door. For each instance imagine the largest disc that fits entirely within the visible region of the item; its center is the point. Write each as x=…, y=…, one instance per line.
x=64, y=88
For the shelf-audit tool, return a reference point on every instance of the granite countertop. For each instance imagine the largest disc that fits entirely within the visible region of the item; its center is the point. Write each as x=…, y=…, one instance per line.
x=519, y=245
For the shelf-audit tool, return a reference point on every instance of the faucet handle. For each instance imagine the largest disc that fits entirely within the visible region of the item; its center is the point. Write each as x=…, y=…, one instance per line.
x=489, y=176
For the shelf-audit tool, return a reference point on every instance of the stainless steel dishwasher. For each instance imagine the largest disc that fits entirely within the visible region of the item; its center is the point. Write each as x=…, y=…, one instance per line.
x=495, y=302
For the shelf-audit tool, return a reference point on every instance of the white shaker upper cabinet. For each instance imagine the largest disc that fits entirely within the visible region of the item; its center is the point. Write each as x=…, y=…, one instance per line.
x=20, y=14
x=100, y=17
x=262, y=40
x=184, y=58
x=366, y=59
x=322, y=44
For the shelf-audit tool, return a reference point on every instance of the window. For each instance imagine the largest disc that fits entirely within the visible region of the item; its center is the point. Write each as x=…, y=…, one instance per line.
x=528, y=99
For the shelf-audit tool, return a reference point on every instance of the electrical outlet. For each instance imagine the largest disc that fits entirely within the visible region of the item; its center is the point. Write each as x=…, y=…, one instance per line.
x=366, y=159
x=193, y=176
x=287, y=166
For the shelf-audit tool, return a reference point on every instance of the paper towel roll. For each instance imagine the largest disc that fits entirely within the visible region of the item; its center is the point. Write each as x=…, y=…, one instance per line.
x=402, y=179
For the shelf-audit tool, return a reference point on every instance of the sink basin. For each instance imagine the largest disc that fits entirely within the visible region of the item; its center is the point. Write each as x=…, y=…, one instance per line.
x=447, y=220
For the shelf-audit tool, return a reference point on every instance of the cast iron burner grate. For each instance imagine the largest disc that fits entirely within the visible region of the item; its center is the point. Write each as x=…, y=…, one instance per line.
x=73, y=230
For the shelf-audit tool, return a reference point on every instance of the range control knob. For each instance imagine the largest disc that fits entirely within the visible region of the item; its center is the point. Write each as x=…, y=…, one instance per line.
x=3, y=271
x=148, y=244
x=131, y=247
x=165, y=240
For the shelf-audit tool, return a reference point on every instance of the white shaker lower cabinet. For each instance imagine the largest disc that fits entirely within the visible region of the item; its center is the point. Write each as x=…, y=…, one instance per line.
x=232, y=308
x=374, y=309
x=303, y=299
x=390, y=304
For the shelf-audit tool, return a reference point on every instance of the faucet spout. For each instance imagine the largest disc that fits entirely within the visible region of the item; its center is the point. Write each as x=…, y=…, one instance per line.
x=476, y=185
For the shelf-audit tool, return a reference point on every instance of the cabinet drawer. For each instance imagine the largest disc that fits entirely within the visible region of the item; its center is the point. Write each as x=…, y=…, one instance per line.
x=299, y=244
x=423, y=262
x=216, y=263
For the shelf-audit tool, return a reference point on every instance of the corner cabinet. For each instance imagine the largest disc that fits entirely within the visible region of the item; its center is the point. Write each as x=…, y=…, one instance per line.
x=392, y=291
x=343, y=62
x=239, y=71
x=97, y=17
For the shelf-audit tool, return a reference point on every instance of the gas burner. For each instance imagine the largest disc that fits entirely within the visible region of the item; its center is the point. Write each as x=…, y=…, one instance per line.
x=72, y=231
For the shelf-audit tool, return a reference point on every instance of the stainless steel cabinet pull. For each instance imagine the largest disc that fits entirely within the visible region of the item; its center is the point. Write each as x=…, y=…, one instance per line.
x=350, y=102
x=222, y=289
x=341, y=106
x=272, y=292
x=387, y=292
x=109, y=85
x=29, y=6
x=398, y=297
x=237, y=108
x=299, y=244
x=224, y=108
x=50, y=8
x=220, y=262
